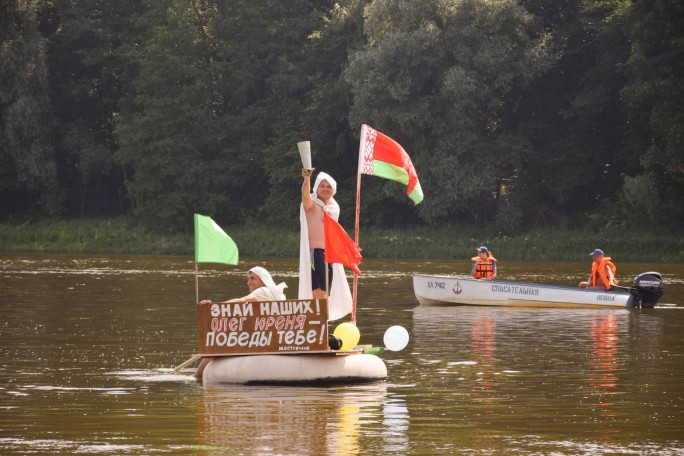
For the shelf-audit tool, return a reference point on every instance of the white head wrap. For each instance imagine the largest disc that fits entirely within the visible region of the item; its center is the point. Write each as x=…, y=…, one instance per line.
x=277, y=291
x=332, y=208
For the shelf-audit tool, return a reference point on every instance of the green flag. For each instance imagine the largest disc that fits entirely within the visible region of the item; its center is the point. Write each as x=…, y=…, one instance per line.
x=212, y=244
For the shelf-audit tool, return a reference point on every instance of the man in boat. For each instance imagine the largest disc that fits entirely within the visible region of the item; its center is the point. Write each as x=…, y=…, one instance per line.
x=261, y=287
x=315, y=279
x=484, y=264
x=602, y=272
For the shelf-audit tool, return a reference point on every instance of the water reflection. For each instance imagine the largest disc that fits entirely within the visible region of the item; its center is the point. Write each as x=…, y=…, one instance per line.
x=290, y=420
x=483, y=337
x=603, y=362
x=395, y=426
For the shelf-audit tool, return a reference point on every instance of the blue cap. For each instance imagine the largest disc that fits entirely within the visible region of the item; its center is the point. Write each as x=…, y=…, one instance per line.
x=483, y=249
x=597, y=252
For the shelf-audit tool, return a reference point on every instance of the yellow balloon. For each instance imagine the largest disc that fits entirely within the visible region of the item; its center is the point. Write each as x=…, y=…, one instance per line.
x=349, y=334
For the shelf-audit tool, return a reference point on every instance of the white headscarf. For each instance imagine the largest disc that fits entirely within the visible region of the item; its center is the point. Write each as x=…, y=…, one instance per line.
x=332, y=208
x=277, y=291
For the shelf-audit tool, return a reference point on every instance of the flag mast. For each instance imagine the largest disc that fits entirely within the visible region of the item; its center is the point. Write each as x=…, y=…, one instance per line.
x=196, y=284
x=358, y=212
x=356, y=240
x=196, y=221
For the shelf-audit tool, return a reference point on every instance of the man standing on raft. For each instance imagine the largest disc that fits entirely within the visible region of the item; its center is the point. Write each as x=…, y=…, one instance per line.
x=312, y=266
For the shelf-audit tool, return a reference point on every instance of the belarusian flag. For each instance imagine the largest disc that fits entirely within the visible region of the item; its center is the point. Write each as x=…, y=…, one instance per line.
x=380, y=155
x=212, y=244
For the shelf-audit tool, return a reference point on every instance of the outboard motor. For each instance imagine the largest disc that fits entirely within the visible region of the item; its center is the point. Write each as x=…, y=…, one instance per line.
x=647, y=289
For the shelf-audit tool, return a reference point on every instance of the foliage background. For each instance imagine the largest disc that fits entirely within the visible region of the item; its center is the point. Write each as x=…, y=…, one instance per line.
x=518, y=114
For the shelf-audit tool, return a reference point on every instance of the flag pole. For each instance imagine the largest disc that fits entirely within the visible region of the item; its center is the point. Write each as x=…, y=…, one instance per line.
x=327, y=280
x=358, y=212
x=356, y=240
x=196, y=284
x=196, y=222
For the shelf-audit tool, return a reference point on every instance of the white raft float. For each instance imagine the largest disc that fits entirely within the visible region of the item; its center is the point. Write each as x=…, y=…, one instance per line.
x=251, y=343
x=314, y=369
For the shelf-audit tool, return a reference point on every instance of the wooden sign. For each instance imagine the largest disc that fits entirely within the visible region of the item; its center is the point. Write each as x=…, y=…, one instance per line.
x=277, y=327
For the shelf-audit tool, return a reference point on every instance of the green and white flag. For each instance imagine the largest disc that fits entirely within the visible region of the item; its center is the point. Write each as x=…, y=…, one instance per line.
x=212, y=244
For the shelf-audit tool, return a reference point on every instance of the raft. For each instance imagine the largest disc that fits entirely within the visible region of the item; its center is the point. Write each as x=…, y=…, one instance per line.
x=312, y=369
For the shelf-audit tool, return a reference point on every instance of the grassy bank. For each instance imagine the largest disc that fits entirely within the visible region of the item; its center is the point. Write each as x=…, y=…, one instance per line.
x=123, y=236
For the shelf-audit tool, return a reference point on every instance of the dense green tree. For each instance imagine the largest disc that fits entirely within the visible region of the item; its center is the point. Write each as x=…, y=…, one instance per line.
x=573, y=114
x=442, y=78
x=167, y=131
x=654, y=99
x=218, y=82
x=316, y=108
x=91, y=67
x=514, y=111
x=28, y=169
x=266, y=82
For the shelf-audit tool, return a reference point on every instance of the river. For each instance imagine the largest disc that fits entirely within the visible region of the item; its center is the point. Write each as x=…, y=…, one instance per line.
x=89, y=344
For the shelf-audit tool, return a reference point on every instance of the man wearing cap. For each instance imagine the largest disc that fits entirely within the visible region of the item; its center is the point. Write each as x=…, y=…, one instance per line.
x=484, y=264
x=602, y=272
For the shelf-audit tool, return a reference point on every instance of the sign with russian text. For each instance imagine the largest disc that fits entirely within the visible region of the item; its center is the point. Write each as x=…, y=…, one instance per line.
x=290, y=326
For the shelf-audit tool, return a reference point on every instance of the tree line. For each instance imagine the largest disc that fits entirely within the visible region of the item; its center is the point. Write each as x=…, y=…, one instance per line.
x=516, y=113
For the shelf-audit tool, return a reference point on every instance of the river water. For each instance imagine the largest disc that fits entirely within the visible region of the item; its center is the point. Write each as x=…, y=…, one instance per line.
x=89, y=344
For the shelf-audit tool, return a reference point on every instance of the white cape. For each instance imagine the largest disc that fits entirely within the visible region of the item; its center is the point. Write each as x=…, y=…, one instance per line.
x=340, y=298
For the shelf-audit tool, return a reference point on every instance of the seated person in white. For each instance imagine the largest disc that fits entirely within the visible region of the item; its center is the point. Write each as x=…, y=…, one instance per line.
x=262, y=287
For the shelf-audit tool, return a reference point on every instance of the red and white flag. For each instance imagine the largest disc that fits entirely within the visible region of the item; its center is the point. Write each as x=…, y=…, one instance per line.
x=380, y=155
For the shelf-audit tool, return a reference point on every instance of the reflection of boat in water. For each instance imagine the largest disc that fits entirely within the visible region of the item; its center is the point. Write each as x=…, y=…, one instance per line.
x=603, y=362
x=324, y=369
x=443, y=289
x=239, y=419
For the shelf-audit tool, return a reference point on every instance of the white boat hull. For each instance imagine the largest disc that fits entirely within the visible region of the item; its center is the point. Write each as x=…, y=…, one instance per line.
x=296, y=369
x=441, y=290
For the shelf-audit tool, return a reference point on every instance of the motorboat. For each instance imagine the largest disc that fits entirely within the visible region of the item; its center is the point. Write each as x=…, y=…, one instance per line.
x=645, y=291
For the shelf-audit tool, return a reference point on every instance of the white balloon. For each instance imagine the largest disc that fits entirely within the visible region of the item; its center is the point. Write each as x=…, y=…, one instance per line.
x=396, y=338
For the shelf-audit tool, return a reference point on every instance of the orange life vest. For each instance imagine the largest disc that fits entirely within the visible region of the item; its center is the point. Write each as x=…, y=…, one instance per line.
x=484, y=268
x=598, y=271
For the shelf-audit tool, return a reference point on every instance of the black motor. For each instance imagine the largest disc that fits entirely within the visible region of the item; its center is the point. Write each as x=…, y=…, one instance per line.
x=647, y=289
